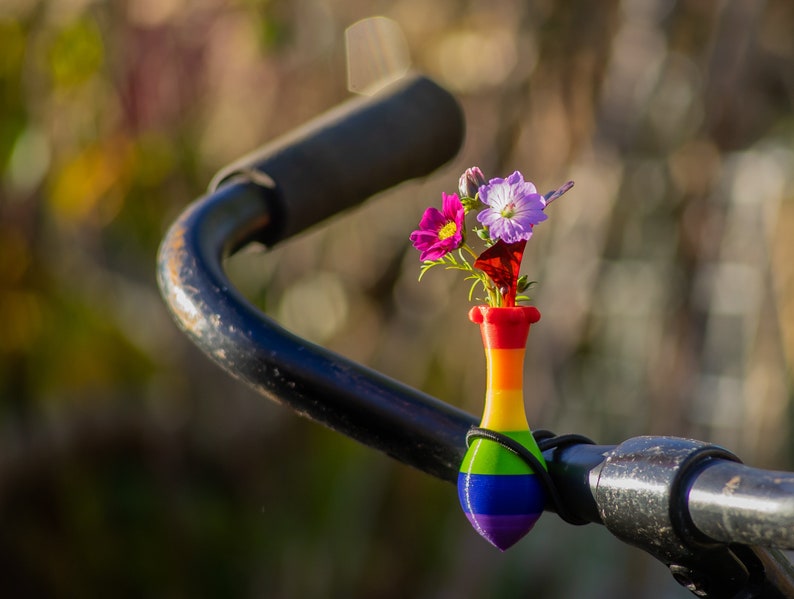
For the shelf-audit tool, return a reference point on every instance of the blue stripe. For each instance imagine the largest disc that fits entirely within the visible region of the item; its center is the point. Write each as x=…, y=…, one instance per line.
x=500, y=494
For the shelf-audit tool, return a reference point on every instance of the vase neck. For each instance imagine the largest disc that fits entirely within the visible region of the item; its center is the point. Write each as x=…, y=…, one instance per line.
x=504, y=334
x=504, y=391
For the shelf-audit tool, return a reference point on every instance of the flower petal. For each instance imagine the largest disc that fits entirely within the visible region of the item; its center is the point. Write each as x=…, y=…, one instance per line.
x=501, y=262
x=451, y=206
x=553, y=195
x=433, y=253
x=432, y=220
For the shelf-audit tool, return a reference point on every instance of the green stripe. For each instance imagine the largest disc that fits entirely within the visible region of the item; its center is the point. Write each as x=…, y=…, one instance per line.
x=488, y=457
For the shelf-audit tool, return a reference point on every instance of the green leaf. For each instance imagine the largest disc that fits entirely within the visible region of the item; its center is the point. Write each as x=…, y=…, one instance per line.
x=524, y=283
x=428, y=264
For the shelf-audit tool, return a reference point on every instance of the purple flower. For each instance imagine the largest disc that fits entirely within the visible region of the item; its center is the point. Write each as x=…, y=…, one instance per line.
x=440, y=232
x=512, y=207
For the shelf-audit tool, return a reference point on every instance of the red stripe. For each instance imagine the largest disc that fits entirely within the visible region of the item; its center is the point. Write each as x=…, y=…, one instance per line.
x=504, y=328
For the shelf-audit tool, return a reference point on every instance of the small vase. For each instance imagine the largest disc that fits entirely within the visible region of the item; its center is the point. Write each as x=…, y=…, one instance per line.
x=498, y=491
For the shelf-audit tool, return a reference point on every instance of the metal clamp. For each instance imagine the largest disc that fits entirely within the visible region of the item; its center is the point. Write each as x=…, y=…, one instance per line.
x=642, y=492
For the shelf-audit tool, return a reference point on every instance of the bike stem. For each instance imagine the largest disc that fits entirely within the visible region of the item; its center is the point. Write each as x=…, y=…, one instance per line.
x=640, y=490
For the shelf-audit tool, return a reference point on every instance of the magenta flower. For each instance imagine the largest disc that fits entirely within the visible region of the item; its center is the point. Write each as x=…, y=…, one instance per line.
x=440, y=232
x=512, y=207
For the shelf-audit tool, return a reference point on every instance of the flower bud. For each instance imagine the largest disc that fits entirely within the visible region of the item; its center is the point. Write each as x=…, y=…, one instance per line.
x=483, y=234
x=470, y=182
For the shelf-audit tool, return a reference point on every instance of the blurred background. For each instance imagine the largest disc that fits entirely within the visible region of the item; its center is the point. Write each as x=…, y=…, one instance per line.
x=132, y=466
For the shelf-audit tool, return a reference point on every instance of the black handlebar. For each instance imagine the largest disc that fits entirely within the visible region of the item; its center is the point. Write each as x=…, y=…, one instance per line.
x=415, y=128
x=686, y=502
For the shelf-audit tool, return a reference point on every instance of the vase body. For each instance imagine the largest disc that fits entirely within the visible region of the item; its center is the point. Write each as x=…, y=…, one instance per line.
x=498, y=491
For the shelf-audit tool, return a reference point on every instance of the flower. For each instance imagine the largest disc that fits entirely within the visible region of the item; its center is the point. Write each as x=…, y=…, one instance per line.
x=470, y=182
x=440, y=232
x=513, y=208
x=501, y=263
x=508, y=210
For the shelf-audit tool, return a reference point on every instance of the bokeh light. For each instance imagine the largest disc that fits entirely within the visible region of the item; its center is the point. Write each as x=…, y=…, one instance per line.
x=131, y=466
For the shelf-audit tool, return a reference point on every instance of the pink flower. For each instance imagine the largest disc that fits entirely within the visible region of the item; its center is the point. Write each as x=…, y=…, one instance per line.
x=440, y=232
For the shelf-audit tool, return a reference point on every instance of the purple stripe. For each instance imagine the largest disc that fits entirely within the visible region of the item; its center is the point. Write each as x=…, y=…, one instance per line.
x=502, y=531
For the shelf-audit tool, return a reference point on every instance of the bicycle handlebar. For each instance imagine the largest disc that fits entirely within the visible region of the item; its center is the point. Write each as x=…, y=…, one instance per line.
x=423, y=126
x=686, y=502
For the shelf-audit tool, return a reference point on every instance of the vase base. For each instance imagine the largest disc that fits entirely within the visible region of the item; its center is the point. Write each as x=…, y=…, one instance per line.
x=502, y=508
x=502, y=531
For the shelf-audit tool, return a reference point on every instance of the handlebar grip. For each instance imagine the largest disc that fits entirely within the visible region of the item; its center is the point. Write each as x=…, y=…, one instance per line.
x=352, y=152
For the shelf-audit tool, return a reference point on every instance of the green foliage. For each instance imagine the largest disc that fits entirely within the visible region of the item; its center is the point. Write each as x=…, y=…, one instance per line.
x=457, y=261
x=77, y=53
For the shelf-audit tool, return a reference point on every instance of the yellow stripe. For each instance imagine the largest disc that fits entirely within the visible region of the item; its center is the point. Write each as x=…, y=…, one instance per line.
x=504, y=410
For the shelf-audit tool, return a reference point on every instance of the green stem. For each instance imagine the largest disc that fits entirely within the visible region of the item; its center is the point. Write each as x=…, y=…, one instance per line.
x=494, y=296
x=467, y=247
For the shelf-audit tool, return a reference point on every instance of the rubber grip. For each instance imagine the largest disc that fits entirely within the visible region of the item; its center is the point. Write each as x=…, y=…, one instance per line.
x=352, y=152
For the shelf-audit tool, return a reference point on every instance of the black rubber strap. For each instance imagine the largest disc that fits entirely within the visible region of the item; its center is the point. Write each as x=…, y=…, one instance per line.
x=546, y=440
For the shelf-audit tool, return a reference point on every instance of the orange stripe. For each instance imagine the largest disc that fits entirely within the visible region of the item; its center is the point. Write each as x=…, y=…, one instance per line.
x=505, y=368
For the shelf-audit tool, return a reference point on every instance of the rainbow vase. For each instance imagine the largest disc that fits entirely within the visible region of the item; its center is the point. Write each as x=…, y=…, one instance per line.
x=498, y=491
